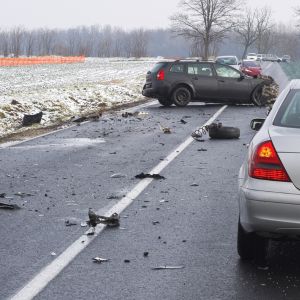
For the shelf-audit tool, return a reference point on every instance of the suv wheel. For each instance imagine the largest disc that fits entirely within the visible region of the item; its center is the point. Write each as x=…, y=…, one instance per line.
x=181, y=96
x=165, y=101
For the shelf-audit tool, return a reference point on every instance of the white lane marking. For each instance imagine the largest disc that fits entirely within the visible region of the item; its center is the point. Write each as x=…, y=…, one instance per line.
x=11, y=144
x=48, y=273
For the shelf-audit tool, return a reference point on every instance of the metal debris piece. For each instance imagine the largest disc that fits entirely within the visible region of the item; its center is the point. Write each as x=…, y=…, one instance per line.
x=31, y=119
x=71, y=222
x=9, y=206
x=94, y=219
x=2, y=195
x=83, y=224
x=154, y=176
x=118, y=175
x=168, y=267
x=165, y=129
x=126, y=260
x=99, y=260
x=194, y=184
x=22, y=195
x=183, y=121
x=53, y=254
x=146, y=254
x=198, y=133
x=155, y=222
x=202, y=149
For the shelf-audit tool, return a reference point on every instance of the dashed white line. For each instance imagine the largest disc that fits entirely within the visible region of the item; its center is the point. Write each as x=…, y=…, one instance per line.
x=48, y=273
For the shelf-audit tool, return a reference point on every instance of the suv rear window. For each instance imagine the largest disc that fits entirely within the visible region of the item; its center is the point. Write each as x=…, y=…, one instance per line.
x=177, y=68
x=157, y=66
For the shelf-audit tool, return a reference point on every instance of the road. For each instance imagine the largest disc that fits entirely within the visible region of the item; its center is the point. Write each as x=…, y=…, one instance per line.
x=188, y=219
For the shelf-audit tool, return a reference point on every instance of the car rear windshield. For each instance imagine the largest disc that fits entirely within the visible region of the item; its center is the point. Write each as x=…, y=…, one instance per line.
x=250, y=64
x=158, y=66
x=288, y=114
x=227, y=60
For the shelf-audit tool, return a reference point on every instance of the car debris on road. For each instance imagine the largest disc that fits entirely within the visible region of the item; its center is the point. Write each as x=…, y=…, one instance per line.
x=154, y=176
x=168, y=268
x=9, y=206
x=94, y=219
x=99, y=260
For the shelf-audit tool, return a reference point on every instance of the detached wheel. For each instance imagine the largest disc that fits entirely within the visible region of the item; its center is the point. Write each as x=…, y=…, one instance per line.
x=224, y=132
x=181, y=96
x=257, y=96
x=165, y=101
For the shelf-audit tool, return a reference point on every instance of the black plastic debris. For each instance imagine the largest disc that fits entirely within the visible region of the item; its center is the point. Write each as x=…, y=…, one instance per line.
x=99, y=260
x=8, y=206
x=154, y=176
x=126, y=260
x=32, y=119
x=168, y=268
x=2, y=195
x=94, y=219
x=71, y=222
x=183, y=121
x=202, y=149
x=146, y=254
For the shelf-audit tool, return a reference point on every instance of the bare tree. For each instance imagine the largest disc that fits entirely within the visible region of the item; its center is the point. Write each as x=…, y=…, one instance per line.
x=4, y=43
x=29, y=40
x=206, y=20
x=252, y=27
x=16, y=36
x=139, y=43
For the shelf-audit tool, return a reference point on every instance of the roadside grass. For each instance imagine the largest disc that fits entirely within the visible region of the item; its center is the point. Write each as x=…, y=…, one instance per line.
x=292, y=70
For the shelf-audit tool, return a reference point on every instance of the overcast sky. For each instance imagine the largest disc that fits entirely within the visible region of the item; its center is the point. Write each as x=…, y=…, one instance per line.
x=127, y=14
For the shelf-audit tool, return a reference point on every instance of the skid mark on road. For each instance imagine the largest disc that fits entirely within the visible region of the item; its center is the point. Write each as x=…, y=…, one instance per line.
x=48, y=273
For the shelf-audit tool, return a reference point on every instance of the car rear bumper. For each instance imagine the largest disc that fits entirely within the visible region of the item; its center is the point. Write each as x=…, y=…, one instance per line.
x=271, y=214
x=154, y=91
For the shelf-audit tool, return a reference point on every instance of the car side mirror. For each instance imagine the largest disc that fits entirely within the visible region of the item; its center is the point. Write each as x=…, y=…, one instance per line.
x=256, y=124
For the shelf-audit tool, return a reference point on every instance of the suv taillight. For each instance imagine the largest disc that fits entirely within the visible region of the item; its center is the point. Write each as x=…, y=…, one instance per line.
x=265, y=164
x=160, y=75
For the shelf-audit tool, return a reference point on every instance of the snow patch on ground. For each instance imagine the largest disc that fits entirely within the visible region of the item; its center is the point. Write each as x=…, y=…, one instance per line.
x=66, y=90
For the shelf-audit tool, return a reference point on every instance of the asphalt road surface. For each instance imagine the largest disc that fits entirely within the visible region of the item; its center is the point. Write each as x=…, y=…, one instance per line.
x=187, y=220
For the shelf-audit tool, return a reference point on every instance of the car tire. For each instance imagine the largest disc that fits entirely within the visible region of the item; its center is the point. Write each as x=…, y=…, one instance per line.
x=245, y=244
x=181, y=96
x=165, y=101
x=257, y=96
x=224, y=132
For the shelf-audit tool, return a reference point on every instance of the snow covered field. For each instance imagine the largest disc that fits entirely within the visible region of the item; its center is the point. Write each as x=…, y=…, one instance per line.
x=66, y=90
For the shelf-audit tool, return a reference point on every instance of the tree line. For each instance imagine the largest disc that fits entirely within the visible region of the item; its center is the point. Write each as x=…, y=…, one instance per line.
x=202, y=28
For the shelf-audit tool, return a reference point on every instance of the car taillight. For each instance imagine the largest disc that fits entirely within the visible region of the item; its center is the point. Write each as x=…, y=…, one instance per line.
x=160, y=75
x=265, y=164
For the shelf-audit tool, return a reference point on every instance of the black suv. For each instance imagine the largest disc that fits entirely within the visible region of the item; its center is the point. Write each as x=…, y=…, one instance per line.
x=181, y=81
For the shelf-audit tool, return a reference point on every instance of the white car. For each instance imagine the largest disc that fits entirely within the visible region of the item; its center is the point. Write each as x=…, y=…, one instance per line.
x=269, y=179
x=251, y=56
x=229, y=60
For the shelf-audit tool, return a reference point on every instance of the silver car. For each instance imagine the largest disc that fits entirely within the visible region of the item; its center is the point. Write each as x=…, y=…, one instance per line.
x=269, y=179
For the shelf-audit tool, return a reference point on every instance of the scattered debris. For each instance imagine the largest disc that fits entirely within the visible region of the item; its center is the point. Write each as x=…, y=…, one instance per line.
x=183, y=121
x=143, y=175
x=94, y=219
x=71, y=222
x=202, y=149
x=168, y=267
x=118, y=175
x=22, y=195
x=53, y=254
x=9, y=206
x=126, y=261
x=146, y=254
x=155, y=222
x=135, y=114
x=2, y=195
x=32, y=119
x=194, y=184
x=83, y=224
x=113, y=197
x=78, y=119
x=99, y=260
x=165, y=129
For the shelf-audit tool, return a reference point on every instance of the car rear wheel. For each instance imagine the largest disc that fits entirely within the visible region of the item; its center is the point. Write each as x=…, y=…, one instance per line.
x=251, y=246
x=257, y=96
x=165, y=101
x=181, y=96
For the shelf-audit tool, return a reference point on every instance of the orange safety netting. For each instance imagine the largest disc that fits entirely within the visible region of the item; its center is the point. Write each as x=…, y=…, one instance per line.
x=19, y=61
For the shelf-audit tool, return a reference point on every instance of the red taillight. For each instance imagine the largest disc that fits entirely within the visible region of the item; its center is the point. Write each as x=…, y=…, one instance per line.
x=160, y=75
x=265, y=164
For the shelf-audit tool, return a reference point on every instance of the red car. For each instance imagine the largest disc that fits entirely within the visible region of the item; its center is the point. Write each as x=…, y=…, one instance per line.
x=250, y=68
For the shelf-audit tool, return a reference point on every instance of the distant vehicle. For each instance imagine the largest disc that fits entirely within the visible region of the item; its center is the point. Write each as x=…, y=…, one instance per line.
x=251, y=56
x=272, y=57
x=260, y=57
x=286, y=58
x=269, y=179
x=182, y=81
x=228, y=60
x=250, y=68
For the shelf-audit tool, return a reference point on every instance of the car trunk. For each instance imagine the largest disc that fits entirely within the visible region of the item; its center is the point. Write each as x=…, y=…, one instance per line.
x=287, y=144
